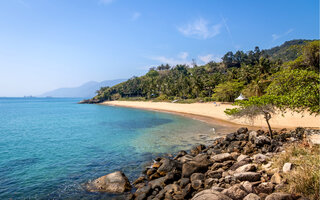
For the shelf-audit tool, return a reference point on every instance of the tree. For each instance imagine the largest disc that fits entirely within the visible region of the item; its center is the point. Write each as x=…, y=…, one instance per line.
x=228, y=91
x=254, y=107
x=300, y=89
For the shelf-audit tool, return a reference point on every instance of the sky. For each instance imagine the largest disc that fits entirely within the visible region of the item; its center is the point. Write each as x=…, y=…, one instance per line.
x=48, y=44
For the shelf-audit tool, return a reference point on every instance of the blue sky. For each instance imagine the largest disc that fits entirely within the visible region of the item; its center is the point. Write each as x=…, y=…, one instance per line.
x=47, y=44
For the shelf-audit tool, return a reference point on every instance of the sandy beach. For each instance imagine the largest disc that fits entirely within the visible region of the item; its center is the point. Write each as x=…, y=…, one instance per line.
x=213, y=113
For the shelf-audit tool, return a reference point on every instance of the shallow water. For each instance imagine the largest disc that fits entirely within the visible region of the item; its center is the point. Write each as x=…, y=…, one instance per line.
x=49, y=147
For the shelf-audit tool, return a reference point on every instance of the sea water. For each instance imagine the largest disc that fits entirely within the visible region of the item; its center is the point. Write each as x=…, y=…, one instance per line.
x=50, y=147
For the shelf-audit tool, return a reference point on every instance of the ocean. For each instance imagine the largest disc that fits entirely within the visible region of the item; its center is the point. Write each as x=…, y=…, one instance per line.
x=50, y=147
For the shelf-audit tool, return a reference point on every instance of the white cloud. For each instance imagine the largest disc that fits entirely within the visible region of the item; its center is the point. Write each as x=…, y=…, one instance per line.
x=135, y=16
x=200, y=29
x=210, y=57
x=106, y=1
x=183, y=55
x=277, y=36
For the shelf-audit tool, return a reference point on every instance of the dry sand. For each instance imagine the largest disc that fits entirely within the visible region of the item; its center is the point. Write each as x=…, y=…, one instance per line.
x=211, y=112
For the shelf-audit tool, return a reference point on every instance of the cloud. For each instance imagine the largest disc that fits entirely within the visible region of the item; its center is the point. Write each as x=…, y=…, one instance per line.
x=200, y=29
x=210, y=57
x=135, y=16
x=179, y=59
x=106, y=1
x=277, y=36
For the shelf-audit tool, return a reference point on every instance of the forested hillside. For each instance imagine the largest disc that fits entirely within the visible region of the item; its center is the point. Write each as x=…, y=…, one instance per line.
x=252, y=73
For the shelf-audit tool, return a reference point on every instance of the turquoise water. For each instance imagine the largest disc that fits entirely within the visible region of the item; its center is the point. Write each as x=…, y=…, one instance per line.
x=49, y=147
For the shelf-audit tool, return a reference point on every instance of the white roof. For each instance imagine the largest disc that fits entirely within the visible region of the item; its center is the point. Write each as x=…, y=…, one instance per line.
x=241, y=97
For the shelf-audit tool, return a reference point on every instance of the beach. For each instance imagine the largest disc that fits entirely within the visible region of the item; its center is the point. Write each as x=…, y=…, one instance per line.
x=213, y=112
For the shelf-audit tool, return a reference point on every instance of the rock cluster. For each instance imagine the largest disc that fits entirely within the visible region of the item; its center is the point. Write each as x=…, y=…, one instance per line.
x=232, y=168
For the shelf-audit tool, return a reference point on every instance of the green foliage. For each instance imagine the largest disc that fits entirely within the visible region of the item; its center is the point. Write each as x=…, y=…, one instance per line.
x=228, y=91
x=299, y=89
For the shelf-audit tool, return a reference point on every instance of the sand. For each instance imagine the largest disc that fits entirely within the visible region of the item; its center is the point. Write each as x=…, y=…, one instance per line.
x=211, y=112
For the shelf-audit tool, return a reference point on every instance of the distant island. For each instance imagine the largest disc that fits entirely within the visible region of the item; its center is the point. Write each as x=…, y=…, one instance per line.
x=87, y=90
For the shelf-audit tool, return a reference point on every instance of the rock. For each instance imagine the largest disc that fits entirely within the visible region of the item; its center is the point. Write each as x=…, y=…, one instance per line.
x=287, y=167
x=185, y=158
x=231, y=137
x=239, y=164
x=183, y=182
x=139, y=180
x=279, y=196
x=180, y=154
x=115, y=182
x=151, y=171
x=171, y=177
x=210, y=194
x=221, y=157
x=199, y=164
x=252, y=136
x=252, y=196
x=235, y=192
x=208, y=182
x=266, y=188
x=248, y=176
x=214, y=174
x=198, y=149
x=157, y=183
x=276, y=178
x=242, y=157
x=242, y=130
x=219, y=189
x=156, y=165
x=260, y=158
x=167, y=166
x=262, y=140
x=197, y=180
x=247, y=186
x=144, y=190
x=247, y=168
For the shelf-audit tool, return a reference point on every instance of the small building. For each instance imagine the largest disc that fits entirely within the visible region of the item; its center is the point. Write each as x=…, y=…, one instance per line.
x=241, y=97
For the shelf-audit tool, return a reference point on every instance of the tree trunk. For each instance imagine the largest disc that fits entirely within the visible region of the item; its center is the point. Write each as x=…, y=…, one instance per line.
x=270, y=130
x=267, y=116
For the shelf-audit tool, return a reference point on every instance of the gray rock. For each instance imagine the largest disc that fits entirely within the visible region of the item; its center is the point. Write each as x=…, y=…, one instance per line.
x=287, y=167
x=239, y=164
x=246, y=168
x=248, y=176
x=115, y=182
x=262, y=140
x=221, y=157
x=197, y=180
x=157, y=183
x=235, y=192
x=167, y=166
x=260, y=158
x=252, y=196
x=199, y=164
x=210, y=195
x=266, y=188
x=242, y=157
x=279, y=196
x=247, y=186
x=252, y=136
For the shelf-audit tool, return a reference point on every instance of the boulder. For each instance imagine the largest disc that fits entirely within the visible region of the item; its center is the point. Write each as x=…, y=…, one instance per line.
x=198, y=164
x=214, y=174
x=266, y=188
x=252, y=196
x=221, y=157
x=239, y=164
x=198, y=149
x=115, y=182
x=231, y=137
x=242, y=157
x=247, y=168
x=185, y=158
x=262, y=140
x=197, y=180
x=260, y=158
x=167, y=166
x=248, y=176
x=235, y=192
x=157, y=183
x=242, y=130
x=287, y=167
x=276, y=178
x=252, y=136
x=247, y=186
x=279, y=196
x=210, y=194
x=180, y=154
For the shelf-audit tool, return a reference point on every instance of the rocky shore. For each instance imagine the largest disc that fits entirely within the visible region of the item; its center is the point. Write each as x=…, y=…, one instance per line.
x=234, y=167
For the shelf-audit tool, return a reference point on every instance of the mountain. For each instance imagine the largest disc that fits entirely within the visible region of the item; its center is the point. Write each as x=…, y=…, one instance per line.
x=87, y=90
x=288, y=51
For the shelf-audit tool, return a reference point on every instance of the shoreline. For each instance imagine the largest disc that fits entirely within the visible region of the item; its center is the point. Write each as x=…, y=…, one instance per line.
x=211, y=114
